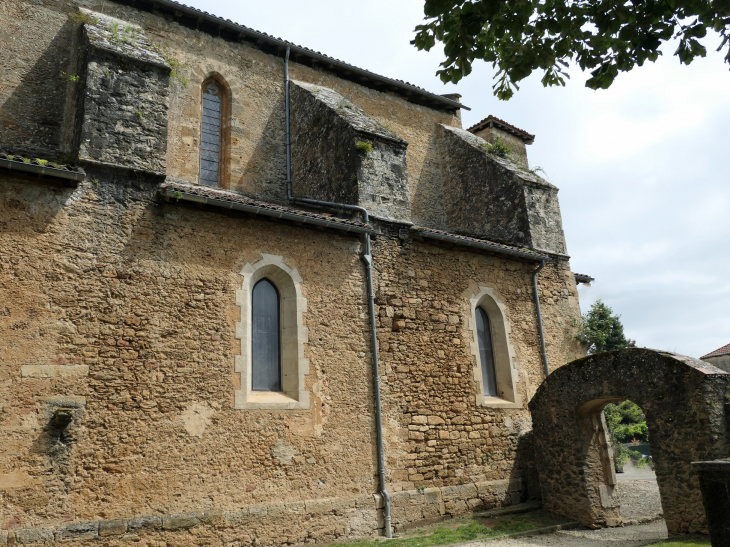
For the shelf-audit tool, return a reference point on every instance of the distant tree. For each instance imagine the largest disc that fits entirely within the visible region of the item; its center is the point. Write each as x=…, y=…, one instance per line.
x=601, y=330
x=604, y=36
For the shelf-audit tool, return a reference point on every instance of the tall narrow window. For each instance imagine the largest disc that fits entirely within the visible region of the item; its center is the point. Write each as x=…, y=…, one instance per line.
x=265, y=342
x=486, y=353
x=210, y=145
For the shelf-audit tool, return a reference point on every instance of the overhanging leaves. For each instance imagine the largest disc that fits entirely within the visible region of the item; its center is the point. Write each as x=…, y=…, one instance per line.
x=603, y=36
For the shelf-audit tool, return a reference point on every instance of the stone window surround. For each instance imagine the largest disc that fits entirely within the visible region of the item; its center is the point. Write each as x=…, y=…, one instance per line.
x=294, y=367
x=225, y=127
x=504, y=355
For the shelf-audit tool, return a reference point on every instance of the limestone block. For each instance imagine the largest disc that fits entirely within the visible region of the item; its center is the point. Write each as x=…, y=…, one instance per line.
x=144, y=523
x=77, y=531
x=514, y=204
x=180, y=521
x=54, y=371
x=125, y=97
x=112, y=528
x=33, y=535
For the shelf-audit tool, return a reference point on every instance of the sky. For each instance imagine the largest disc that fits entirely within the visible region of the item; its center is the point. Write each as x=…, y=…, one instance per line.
x=643, y=167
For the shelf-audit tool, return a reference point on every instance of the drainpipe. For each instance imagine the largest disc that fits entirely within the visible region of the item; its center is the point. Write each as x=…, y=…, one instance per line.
x=539, y=317
x=288, y=135
x=368, y=261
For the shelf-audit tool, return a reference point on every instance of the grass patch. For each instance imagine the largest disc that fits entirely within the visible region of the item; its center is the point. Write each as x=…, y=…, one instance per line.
x=686, y=542
x=468, y=528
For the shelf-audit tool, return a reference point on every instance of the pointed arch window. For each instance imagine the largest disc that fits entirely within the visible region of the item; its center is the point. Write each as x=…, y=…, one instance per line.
x=265, y=338
x=273, y=336
x=495, y=373
x=486, y=353
x=211, y=133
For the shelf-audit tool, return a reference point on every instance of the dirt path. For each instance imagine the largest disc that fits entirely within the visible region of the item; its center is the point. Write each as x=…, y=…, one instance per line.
x=628, y=536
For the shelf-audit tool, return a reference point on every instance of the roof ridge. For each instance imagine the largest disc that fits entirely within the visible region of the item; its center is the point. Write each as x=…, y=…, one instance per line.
x=724, y=350
x=527, y=137
x=177, y=9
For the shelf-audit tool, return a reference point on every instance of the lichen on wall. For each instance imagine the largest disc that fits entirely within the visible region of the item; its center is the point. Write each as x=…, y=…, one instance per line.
x=506, y=203
x=341, y=155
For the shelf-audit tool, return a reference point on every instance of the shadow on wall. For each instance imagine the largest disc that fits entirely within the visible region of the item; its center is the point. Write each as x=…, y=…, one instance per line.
x=32, y=118
x=36, y=202
x=264, y=175
x=426, y=187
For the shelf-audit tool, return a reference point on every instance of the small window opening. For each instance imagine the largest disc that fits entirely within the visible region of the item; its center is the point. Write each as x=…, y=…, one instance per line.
x=266, y=339
x=210, y=145
x=486, y=353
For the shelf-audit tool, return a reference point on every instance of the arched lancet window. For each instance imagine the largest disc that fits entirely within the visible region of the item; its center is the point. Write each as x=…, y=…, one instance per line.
x=265, y=338
x=210, y=138
x=486, y=353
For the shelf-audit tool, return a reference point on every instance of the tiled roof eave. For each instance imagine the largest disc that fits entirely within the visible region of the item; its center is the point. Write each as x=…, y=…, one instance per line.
x=719, y=352
x=178, y=11
x=501, y=124
x=42, y=170
x=482, y=244
x=230, y=200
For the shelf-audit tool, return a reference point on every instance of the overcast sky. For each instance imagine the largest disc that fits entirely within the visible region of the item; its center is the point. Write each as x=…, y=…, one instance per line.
x=643, y=167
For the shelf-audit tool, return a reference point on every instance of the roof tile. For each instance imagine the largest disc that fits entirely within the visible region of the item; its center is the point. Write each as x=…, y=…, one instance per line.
x=233, y=197
x=724, y=350
x=524, y=135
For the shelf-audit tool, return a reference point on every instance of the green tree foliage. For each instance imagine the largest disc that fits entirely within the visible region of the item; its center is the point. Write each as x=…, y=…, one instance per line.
x=604, y=36
x=626, y=422
x=601, y=330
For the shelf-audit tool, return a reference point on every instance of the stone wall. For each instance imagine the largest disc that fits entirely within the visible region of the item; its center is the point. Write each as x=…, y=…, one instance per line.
x=118, y=309
x=322, y=520
x=442, y=436
x=507, y=202
x=684, y=400
x=133, y=318
x=721, y=361
x=125, y=85
x=327, y=163
x=518, y=150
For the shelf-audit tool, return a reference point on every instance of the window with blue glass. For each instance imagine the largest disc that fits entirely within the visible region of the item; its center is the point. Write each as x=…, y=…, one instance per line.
x=486, y=353
x=210, y=137
x=266, y=337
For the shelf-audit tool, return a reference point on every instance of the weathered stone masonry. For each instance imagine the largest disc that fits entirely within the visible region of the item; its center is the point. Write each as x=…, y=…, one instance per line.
x=118, y=306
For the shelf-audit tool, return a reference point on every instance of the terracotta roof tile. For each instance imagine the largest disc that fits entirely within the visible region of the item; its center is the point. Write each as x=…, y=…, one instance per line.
x=521, y=133
x=527, y=253
x=724, y=350
x=232, y=197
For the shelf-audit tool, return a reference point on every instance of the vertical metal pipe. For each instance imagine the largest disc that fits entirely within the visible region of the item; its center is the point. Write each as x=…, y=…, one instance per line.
x=539, y=318
x=368, y=261
x=288, y=126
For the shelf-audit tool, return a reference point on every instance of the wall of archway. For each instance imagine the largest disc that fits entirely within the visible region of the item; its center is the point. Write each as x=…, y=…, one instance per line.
x=684, y=402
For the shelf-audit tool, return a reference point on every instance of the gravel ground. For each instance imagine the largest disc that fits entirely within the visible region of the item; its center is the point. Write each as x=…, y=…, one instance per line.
x=640, y=501
x=628, y=536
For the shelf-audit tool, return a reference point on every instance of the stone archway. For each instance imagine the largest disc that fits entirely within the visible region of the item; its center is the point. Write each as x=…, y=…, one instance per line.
x=684, y=402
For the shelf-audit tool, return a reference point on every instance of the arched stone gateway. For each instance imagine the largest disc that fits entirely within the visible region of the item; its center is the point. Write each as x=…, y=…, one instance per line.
x=684, y=401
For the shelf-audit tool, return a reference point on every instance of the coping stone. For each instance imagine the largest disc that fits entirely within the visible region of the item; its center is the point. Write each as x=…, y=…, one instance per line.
x=138, y=523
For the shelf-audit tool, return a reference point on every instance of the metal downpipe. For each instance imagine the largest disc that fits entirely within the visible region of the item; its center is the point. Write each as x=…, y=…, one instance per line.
x=368, y=261
x=539, y=318
x=288, y=126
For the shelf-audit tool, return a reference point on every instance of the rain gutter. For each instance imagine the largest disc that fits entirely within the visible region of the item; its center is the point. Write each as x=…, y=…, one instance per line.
x=263, y=211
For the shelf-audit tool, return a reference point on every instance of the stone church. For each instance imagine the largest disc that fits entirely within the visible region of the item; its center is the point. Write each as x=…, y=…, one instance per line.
x=252, y=294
